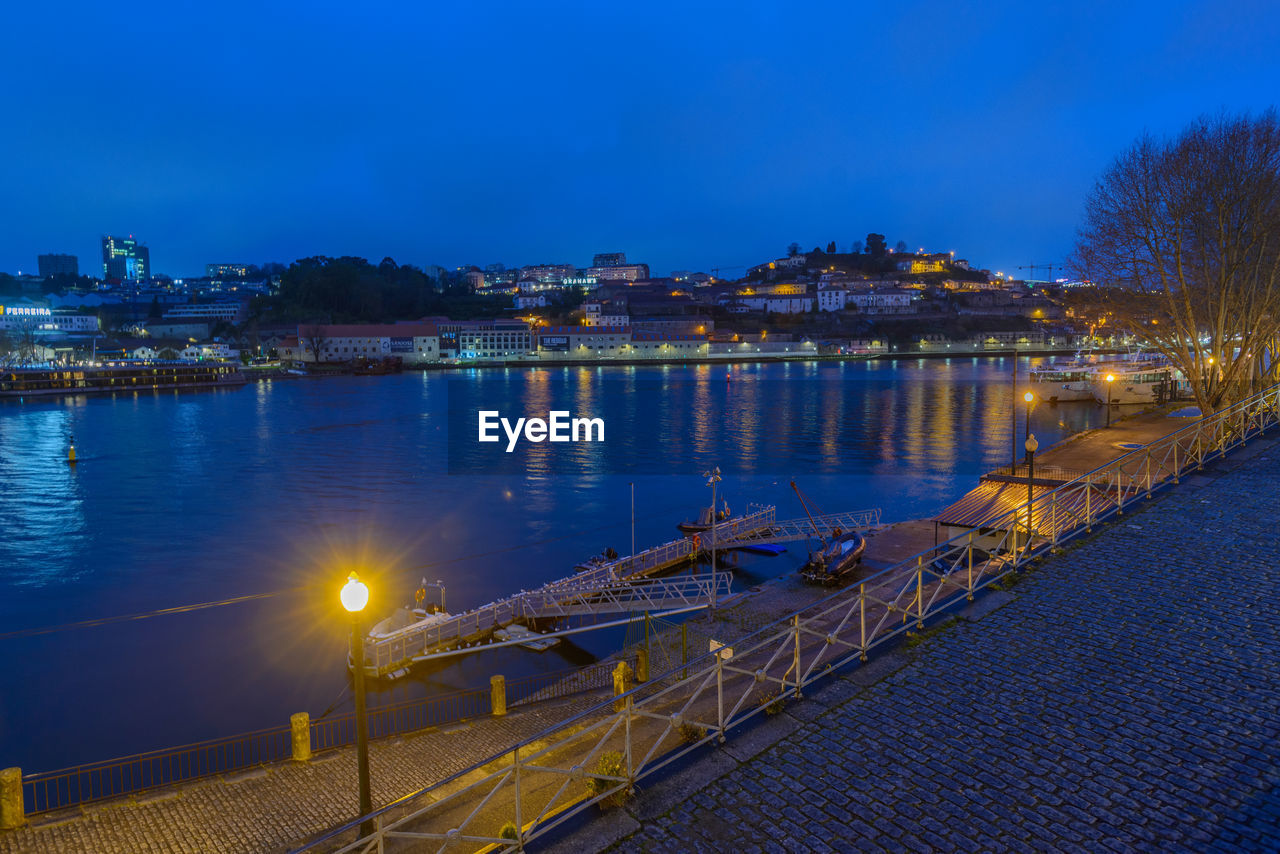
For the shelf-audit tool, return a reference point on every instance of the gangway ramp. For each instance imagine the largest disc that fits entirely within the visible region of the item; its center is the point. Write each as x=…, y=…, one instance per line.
x=463, y=633
x=790, y=530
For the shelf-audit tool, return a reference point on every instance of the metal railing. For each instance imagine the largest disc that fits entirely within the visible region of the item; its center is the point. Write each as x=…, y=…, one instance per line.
x=555, y=686
x=802, y=529
x=599, y=755
x=51, y=790
x=400, y=718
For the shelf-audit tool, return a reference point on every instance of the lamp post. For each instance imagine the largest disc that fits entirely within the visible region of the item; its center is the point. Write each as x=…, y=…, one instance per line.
x=1110, y=379
x=354, y=596
x=1030, y=398
x=713, y=477
x=1031, y=446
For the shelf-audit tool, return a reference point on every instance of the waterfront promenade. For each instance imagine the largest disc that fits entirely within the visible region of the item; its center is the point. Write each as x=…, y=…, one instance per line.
x=1123, y=696
x=1134, y=669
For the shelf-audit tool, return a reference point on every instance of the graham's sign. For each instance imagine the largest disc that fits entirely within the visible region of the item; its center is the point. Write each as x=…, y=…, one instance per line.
x=24, y=311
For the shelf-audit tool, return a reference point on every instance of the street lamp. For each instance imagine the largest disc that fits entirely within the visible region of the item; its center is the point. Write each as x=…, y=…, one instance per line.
x=1029, y=397
x=354, y=596
x=1110, y=379
x=713, y=477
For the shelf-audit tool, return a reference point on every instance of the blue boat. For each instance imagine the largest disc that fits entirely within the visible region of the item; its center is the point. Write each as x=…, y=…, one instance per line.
x=765, y=549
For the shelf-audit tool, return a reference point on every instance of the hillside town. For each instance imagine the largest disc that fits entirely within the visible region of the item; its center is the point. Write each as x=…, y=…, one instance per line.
x=869, y=300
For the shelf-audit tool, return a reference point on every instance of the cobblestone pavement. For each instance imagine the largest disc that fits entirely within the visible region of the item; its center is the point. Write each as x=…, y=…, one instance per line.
x=1126, y=698
x=277, y=807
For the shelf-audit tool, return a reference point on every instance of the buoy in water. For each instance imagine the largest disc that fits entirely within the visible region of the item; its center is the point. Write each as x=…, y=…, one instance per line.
x=71, y=453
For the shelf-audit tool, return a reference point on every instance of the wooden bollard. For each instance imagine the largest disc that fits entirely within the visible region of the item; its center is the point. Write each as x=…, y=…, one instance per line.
x=621, y=683
x=12, y=814
x=642, y=665
x=498, y=695
x=300, y=723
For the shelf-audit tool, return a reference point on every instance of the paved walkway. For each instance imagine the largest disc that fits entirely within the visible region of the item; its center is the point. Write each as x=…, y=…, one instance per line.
x=274, y=808
x=1127, y=697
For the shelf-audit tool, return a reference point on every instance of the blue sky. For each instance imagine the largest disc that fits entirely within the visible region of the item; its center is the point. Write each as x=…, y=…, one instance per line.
x=690, y=135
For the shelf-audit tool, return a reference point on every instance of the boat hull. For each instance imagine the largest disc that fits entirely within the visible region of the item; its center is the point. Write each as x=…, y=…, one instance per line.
x=827, y=568
x=1063, y=392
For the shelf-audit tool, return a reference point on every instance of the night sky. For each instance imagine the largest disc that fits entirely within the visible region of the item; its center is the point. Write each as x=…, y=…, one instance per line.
x=688, y=135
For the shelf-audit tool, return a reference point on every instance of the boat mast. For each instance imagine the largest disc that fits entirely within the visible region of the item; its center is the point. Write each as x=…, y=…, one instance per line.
x=805, y=505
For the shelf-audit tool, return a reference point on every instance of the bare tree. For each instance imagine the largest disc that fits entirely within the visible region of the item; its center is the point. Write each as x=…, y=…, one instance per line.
x=27, y=342
x=1183, y=235
x=313, y=338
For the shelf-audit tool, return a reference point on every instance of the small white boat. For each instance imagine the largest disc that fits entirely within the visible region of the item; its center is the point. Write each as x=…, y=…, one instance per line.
x=533, y=640
x=1060, y=383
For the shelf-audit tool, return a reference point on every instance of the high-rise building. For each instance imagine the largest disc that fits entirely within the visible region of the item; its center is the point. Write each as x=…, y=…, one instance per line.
x=609, y=259
x=125, y=259
x=58, y=265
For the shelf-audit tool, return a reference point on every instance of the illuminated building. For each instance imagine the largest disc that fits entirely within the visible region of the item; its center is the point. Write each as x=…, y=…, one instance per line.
x=124, y=259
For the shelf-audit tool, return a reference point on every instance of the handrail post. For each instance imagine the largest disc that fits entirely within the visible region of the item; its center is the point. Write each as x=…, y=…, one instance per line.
x=862, y=620
x=969, y=582
x=519, y=819
x=1053, y=519
x=630, y=769
x=720, y=695
x=1088, y=512
x=919, y=591
x=796, y=623
x=1148, y=471
x=1175, y=462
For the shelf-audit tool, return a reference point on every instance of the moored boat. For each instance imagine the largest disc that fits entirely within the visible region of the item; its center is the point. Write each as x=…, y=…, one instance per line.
x=830, y=564
x=1062, y=383
x=532, y=640
x=117, y=376
x=839, y=555
x=1134, y=383
x=703, y=522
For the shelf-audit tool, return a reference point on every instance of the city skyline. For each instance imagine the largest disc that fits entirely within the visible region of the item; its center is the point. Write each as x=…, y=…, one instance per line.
x=447, y=137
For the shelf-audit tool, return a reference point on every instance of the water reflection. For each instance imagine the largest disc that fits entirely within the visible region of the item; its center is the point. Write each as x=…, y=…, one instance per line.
x=286, y=485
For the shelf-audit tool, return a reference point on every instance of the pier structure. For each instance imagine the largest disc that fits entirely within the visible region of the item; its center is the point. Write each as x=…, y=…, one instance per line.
x=623, y=586
x=471, y=631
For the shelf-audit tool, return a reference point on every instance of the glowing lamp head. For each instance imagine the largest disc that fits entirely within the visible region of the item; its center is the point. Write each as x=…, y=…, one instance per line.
x=1029, y=396
x=1111, y=378
x=355, y=594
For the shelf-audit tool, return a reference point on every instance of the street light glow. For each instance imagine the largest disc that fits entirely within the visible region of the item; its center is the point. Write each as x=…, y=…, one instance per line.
x=355, y=594
x=1029, y=396
x=1111, y=378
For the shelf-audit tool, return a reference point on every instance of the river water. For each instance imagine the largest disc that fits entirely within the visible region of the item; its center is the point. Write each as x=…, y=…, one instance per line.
x=275, y=490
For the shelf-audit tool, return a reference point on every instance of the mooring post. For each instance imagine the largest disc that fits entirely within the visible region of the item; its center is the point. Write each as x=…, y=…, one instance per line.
x=300, y=725
x=498, y=695
x=621, y=684
x=12, y=815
